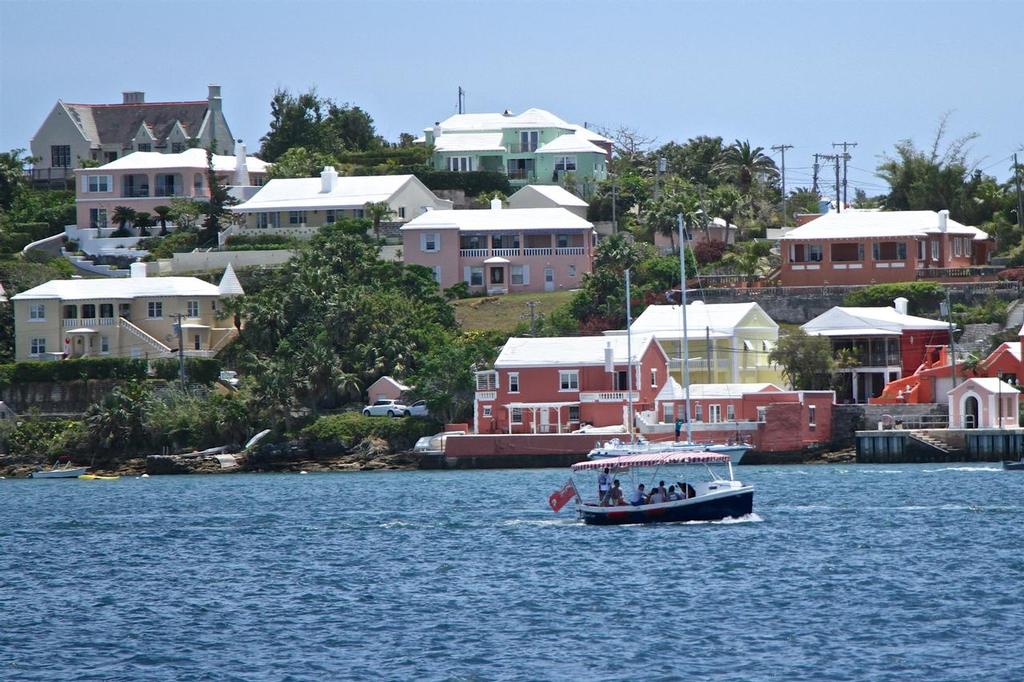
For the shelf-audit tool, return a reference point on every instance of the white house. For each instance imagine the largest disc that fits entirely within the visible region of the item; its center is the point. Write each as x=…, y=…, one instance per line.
x=548, y=196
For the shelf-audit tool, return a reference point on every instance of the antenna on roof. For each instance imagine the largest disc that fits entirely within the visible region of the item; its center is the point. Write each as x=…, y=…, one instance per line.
x=462, y=100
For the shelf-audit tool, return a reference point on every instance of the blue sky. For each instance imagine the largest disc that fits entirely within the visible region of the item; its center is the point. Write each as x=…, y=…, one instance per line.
x=800, y=73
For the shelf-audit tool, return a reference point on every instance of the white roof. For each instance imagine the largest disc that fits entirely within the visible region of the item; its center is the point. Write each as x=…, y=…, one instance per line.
x=304, y=193
x=531, y=118
x=990, y=384
x=590, y=134
x=554, y=193
x=841, y=321
x=665, y=321
x=503, y=219
x=129, y=287
x=469, y=142
x=1013, y=347
x=569, y=144
x=568, y=351
x=868, y=224
x=389, y=380
x=190, y=158
x=229, y=284
x=673, y=391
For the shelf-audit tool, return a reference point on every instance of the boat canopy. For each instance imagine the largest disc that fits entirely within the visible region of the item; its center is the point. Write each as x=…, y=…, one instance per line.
x=652, y=459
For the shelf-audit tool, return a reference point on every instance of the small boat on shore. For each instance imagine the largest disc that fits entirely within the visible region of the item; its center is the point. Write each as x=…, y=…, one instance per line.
x=97, y=477
x=59, y=471
x=712, y=499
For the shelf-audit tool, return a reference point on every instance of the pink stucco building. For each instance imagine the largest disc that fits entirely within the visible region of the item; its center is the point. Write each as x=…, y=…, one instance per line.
x=500, y=250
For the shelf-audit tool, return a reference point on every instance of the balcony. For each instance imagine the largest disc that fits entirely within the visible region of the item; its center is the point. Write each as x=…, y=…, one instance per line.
x=505, y=252
x=519, y=148
x=569, y=251
x=608, y=396
x=473, y=253
x=135, y=193
x=483, y=396
x=520, y=174
x=537, y=251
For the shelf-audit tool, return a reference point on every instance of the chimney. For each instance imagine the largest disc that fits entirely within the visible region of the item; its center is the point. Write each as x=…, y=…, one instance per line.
x=943, y=219
x=213, y=98
x=437, y=130
x=495, y=204
x=609, y=358
x=138, y=270
x=328, y=179
x=241, y=168
x=507, y=112
x=133, y=97
x=900, y=304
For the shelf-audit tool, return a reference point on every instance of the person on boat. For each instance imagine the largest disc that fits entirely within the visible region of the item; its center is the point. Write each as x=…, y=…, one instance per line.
x=673, y=494
x=638, y=497
x=662, y=489
x=603, y=484
x=656, y=497
x=679, y=428
x=682, y=491
x=614, y=497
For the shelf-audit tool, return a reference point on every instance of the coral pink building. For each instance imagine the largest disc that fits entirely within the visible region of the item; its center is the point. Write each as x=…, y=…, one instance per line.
x=500, y=251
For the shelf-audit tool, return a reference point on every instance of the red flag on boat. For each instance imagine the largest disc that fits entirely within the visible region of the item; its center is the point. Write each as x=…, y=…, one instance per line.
x=560, y=497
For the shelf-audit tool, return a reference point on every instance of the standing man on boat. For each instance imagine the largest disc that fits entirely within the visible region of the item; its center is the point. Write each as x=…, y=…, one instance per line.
x=604, y=485
x=679, y=427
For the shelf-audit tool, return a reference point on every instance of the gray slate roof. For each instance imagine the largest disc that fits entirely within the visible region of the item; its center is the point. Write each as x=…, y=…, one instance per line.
x=118, y=123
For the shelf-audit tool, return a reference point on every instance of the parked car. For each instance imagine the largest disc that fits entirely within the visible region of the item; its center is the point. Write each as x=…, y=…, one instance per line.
x=229, y=377
x=386, y=408
x=418, y=409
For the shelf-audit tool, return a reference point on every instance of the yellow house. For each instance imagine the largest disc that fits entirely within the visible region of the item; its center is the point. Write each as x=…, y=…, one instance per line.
x=136, y=317
x=728, y=343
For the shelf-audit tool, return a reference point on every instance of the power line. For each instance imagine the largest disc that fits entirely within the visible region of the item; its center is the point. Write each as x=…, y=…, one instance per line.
x=846, y=157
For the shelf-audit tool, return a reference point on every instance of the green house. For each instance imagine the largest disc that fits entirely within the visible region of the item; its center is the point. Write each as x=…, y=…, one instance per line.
x=534, y=147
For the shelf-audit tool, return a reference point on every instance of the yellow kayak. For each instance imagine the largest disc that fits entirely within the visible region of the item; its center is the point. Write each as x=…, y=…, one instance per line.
x=97, y=477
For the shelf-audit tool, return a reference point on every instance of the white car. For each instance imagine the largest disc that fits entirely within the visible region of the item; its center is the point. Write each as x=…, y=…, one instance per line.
x=418, y=409
x=386, y=408
x=229, y=377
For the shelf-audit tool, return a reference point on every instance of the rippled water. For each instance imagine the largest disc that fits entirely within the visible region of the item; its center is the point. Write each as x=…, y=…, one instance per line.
x=844, y=573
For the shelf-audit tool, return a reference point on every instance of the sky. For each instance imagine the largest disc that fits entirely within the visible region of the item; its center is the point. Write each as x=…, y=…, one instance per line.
x=806, y=74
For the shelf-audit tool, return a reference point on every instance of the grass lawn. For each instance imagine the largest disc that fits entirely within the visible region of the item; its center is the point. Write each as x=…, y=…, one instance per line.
x=505, y=312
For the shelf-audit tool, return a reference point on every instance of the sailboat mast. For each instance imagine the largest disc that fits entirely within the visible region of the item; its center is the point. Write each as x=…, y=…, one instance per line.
x=629, y=358
x=684, y=347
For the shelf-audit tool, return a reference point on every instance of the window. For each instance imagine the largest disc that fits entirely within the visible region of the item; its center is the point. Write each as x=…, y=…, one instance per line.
x=88, y=311
x=358, y=213
x=296, y=217
x=486, y=381
x=668, y=413
x=109, y=156
x=196, y=343
x=847, y=252
x=517, y=415
x=197, y=183
x=698, y=412
x=889, y=250
x=487, y=410
x=60, y=155
x=572, y=270
x=811, y=416
x=730, y=413
x=561, y=240
x=192, y=309
x=264, y=220
x=935, y=249
x=437, y=273
x=574, y=413
x=156, y=310
x=762, y=412
x=513, y=382
x=97, y=217
x=565, y=163
x=968, y=246
x=714, y=413
x=958, y=246
x=920, y=249
x=37, y=347
x=517, y=274
x=100, y=183
x=330, y=216
x=71, y=312
x=805, y=253
x=145, y=146
x=654, y=378
x=104, y=344
x=177, y=147
x=37, y=311
x=528, y=140
x=401, y=211
x=429, y=242
x=476, y=277
x=125, y=310
x=460, y=164
x=106, y=310
x=569, y=380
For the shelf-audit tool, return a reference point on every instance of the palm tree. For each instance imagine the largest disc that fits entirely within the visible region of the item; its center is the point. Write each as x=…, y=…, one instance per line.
x=123, y=216
x=743, y=164
x=143, y=221
x=162, y=212
x=378, y=211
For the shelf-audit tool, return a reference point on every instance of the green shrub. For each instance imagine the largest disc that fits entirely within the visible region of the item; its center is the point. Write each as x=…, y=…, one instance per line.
x=349, y=429
x=987, y=311
x=473, y=183
x=45, y=439
x=181, y=241
x=73, y=370
x=198, y=370
x=277, y=240
x=923, y=297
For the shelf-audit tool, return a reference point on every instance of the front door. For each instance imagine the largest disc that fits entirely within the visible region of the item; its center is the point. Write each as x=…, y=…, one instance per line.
x=545, y=420
x=970, y=416
x=549, y=279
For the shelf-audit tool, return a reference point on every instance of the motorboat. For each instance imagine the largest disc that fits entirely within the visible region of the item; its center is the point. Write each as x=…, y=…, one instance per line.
x=1013, y=465
x=713, y=498
x=59, y=471
x=617, y=448
x=434, y=445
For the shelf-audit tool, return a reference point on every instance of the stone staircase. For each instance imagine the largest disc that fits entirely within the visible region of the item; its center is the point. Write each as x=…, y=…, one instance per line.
x=931, y=442
x=1015, y=315
x=977, y=337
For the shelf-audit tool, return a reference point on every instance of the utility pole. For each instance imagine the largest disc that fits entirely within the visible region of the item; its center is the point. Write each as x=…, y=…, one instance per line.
x=946, y=308
x=782, y=149
x=835, y=158
x=181, y=348
x=814, y=187
x=846, y=157
x=462, y=100
x=615, y=224
x=1020, y=200
x=662, y=165
x=533, y=317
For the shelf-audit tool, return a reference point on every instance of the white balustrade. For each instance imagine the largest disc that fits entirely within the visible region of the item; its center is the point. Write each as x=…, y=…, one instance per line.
x=569, y=251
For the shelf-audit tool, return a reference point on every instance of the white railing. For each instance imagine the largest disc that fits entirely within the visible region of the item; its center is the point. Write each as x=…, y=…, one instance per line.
x=473, y=253
x=486, y=395
x=569, y=251
x=106, y=321
x=504, y=252
x=608, y=396
x=537, y=251
x=138, y=333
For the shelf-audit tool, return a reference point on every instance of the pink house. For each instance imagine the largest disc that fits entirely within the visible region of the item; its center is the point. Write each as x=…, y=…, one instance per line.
x=144, y=180
x=557, y=384
x=500, y=251
x=985, y=403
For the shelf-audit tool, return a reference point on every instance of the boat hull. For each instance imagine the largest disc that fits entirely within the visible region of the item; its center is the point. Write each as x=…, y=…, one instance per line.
x=733, y=504
x=1013, y=465
x=73, y=472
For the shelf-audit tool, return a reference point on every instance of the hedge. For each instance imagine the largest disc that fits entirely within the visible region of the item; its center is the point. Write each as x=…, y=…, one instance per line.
x=473, y=183
x=923, y=297
x=197, y=370
x=260, y=240
x=350, y=428
x=72, y=370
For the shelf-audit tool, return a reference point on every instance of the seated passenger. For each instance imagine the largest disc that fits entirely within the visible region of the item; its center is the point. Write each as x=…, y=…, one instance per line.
x=615, y=496
x=638, y=497
x=682, y=491
x=673, y=494
x=656, y=496
x=662, y=489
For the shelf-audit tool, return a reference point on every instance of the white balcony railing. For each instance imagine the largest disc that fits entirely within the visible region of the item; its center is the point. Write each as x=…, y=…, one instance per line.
x=608, y=396
x=486, y=395
x=504, y=252
x=569, y=251
x=537, y=251
x=473, y=253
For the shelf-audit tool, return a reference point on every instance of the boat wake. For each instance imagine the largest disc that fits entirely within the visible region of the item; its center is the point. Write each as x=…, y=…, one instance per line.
x=935, y=471
x=749, y=518
x=567, y=521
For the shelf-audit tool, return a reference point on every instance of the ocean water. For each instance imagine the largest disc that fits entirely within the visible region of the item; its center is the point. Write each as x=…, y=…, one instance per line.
x=896, y=572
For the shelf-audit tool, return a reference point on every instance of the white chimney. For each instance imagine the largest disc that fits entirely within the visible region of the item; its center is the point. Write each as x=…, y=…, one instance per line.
x=901, y=305
x=943, y=219
x=328, y=179
x=437, y=130
x=495, y=204
x=138, y=270
x=609, y=358
x=241, y=168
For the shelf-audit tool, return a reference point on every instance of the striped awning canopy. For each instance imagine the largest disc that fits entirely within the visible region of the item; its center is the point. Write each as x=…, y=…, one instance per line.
x=652, y=459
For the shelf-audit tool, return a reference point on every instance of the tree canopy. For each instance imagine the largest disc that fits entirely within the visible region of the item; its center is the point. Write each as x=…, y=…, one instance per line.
x=316, y=123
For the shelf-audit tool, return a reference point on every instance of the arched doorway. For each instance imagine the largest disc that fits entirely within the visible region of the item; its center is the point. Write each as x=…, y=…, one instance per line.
x=969, y=414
